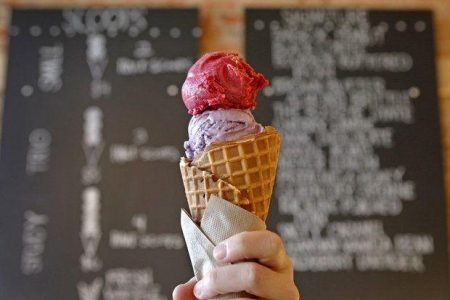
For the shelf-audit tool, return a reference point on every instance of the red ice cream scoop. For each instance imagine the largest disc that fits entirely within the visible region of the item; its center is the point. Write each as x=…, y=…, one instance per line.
x=221, y=80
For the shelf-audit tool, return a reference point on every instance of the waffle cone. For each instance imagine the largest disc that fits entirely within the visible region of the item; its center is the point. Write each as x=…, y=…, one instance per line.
x=241, y=171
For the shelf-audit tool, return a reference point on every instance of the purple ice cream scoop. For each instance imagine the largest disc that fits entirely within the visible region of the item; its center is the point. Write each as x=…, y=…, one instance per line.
x=217, y=126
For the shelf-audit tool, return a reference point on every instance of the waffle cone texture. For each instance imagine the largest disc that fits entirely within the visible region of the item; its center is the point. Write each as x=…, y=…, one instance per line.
x=241, y=171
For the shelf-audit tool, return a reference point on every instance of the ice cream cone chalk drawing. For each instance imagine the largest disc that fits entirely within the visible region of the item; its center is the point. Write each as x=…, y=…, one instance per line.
x=230, y=165
x=97, y=59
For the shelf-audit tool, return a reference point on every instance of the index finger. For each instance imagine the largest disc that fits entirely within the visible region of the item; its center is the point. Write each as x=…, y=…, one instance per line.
x=264, y=246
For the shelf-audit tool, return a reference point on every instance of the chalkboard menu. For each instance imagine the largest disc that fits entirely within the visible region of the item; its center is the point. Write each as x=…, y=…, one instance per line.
x=359, y=199
x=92, y=134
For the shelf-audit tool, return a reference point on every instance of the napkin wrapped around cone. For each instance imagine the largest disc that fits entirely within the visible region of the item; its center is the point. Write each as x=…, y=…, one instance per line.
x=221, y=220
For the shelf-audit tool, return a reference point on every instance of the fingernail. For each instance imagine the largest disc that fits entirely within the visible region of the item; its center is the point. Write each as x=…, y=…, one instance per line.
x=220, y=251
x=198, y=289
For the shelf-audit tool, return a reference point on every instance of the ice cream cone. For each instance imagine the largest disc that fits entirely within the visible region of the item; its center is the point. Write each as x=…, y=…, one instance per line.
x=241, y=171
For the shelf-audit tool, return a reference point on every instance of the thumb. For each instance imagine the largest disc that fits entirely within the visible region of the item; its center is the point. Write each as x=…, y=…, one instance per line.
x=185, y=291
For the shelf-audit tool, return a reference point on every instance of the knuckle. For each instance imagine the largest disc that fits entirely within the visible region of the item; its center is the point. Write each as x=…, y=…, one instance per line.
x=253, y=274
x=239, y=243
x=212, y=277
x=214, y=281
x=274, y=243
x=241, y=240
x=290, y=263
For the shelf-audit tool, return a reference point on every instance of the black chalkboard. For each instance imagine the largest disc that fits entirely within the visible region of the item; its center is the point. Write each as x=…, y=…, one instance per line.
x=93, y=129
x=359, y=198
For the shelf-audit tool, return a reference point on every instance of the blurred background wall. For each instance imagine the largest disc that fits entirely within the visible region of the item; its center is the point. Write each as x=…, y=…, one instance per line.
x=222, y=22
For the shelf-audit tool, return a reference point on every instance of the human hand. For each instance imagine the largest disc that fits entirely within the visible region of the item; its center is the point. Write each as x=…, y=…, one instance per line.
x=268, y=276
